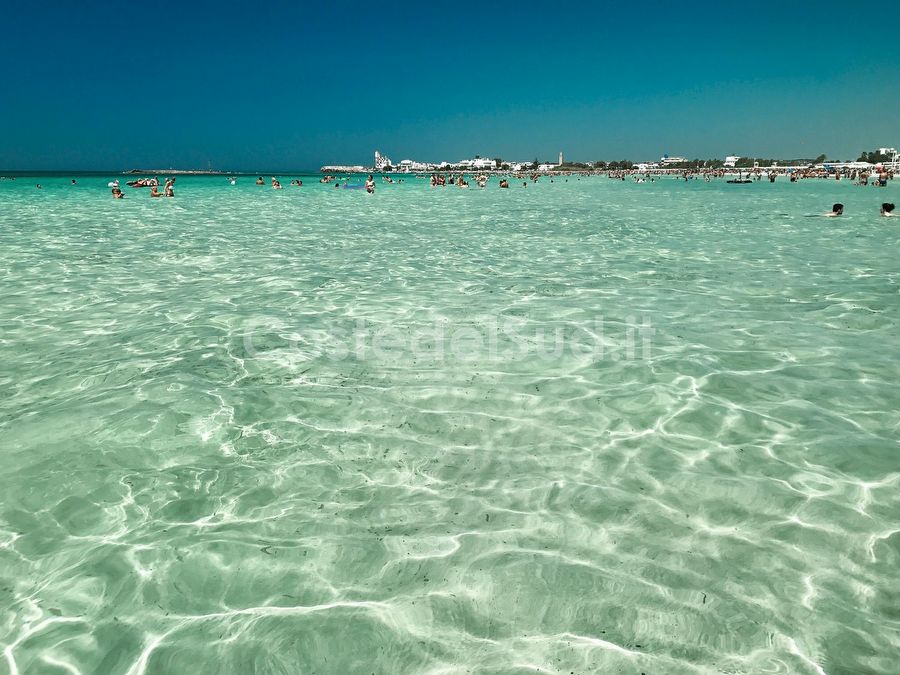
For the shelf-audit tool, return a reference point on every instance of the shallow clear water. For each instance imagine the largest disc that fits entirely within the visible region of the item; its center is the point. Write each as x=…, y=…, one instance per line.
x=587, y=426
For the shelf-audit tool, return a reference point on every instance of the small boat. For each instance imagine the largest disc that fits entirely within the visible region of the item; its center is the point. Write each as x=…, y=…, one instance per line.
x=740, y=180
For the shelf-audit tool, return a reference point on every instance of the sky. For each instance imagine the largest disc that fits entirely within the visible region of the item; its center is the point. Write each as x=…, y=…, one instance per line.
x=279, y=85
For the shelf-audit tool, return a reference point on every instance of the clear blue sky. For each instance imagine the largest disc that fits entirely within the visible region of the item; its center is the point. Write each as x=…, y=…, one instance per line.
x=278, y=85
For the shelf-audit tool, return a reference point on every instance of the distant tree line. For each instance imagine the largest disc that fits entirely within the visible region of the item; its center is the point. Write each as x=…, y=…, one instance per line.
x=614, y=165
x=750, y=162
x=742, y=163
x=700, y=164
x=873, y=157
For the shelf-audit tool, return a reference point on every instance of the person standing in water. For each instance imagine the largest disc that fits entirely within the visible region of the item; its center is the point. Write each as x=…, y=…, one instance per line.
x=370, y=185
x=169, y=189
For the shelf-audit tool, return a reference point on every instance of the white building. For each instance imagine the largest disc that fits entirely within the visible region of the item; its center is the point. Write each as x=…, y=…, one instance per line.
x=665, y=160
x=731, y=161
x=894, y=162
x=409, y=166
x=560, y=158
x=477, y=164
x=483, y=163
x=382, y=162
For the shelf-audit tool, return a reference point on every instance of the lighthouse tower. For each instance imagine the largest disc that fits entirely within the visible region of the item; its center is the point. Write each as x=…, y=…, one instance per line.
x=560, y=159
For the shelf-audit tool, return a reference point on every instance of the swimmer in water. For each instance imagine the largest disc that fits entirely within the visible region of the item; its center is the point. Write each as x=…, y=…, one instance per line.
x=504, y=183
x=260, y=181
x=117, y=193
x=836, y=210
x=38, y=186
x=887, y=210
x=154, y=191
x=275, y=184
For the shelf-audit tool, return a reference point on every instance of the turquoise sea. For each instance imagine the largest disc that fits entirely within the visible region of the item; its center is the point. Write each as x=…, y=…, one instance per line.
x=586, y=426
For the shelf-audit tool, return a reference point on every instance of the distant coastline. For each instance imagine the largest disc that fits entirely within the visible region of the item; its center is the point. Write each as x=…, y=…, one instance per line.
x=887, y=157
x=178, y=172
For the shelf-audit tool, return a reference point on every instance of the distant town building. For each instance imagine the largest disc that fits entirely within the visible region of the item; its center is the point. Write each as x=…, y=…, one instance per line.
x=731, y=161
x=409, y=165
x=665, y=160
x=382, y=162
x=894, y=161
